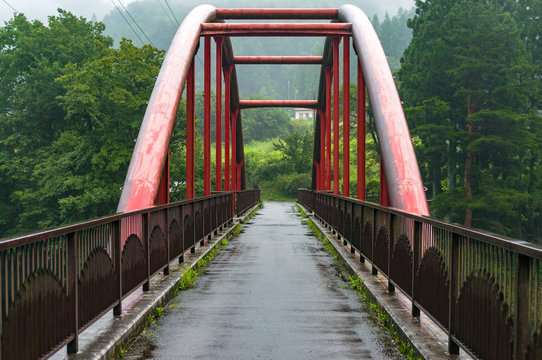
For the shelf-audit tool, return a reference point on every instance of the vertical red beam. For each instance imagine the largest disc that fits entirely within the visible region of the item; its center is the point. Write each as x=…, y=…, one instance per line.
x=234, y=151
x=317, y=171
x=239, y=176
x=163, y=190
x=328, y=128
x=207, y=120
x=384, y=198
x=218, y=113
x=322, y=150
x=361, y=134
x=346, y=116
x=227, y=115
x=190, y=121
x=336, y=115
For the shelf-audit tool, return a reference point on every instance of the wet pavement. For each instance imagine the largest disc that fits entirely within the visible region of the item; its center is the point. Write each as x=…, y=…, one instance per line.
x=272, y=293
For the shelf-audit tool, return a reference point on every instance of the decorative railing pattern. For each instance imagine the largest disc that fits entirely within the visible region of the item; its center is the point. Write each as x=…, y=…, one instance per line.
x=55, y=283
x=484, y=290
x=245, y=199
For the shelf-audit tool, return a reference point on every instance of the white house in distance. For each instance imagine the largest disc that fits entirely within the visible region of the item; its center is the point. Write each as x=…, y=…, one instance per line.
x=300, y=113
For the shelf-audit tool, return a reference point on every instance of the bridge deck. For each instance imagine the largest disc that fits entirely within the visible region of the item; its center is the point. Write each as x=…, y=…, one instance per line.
x=271, y=293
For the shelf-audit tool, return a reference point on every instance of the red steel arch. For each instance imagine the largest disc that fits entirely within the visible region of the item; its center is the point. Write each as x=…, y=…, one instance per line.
x=150, y=158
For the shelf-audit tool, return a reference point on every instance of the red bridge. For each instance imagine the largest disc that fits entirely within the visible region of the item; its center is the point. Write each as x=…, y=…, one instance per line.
x=483, y=291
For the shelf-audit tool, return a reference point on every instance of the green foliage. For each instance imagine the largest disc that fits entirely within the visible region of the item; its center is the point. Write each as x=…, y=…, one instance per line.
x=394, y=35
x=466, y=80
x=282, y=166
x=264, y=123
x=158, y=311
x=296, y=151
x=188, y=279
x=70, y=109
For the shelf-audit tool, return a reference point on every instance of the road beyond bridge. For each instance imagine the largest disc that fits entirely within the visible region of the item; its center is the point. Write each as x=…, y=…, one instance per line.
x=272, y=293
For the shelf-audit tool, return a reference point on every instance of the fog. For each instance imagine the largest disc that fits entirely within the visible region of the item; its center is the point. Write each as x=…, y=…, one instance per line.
x=40, y=9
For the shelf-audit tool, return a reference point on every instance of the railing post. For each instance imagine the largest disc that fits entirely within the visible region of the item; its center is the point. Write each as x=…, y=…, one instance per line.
x=351, y=229
x=203, y=222
x=73, y=346
x=181, y=230
x=117, y=246
x=391, y=232
x=361, y=230
x=521, y=312
x=418, y=227
x=146, y=235
x=374, y=271
x=453, y=347
x=168, y=239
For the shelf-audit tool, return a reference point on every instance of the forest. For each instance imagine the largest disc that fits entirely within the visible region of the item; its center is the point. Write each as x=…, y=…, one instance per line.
x=73, y=93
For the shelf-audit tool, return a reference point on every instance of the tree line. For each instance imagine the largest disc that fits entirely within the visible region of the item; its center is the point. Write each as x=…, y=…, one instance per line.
x=471, y=85
x=70, y=108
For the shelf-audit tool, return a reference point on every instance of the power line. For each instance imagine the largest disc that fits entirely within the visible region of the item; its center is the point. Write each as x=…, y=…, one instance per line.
x=177, y=21
x=167, y=3
x=8, y=4
x=127, y=22
x=167, y=14
x=139, y=27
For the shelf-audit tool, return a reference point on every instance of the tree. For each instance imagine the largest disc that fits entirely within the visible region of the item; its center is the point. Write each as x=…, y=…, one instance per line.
x=296, y=151
x=71, y=107
x=461, y=81
x=264, y=123
x=32, y=56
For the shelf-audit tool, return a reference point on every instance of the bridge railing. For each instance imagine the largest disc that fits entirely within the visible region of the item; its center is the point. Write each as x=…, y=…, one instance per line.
x=245, y=199
x=55, y=283
x=483, y=290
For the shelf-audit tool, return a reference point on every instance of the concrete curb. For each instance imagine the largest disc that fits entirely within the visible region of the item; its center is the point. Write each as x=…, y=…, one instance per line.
x=106, y=337
x=426, y=338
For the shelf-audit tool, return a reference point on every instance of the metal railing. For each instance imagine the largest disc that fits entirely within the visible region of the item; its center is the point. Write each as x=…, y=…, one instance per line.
x=245, y=199
x=483, y=290
x=56, y=283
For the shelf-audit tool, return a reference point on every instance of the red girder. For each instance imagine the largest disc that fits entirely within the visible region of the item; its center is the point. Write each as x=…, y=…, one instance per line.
x=247, y=104
x=288, y=60
x=150, y=158
x=301, y=14
x=403, y=180
x=275, y=29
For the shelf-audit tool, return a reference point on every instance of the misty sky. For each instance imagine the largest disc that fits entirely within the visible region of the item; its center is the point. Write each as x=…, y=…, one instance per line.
x=40, y=9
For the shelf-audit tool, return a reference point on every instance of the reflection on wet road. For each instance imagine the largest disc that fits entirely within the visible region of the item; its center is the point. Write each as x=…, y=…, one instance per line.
x=272, y=293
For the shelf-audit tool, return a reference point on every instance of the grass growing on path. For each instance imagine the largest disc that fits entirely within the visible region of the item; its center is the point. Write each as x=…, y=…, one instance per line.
x=356, y=283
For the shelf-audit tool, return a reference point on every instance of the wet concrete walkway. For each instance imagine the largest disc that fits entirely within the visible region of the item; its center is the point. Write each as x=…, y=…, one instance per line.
x=272, y=293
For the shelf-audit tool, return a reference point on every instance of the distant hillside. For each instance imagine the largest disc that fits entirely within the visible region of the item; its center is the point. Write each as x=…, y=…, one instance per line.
x=159, y=25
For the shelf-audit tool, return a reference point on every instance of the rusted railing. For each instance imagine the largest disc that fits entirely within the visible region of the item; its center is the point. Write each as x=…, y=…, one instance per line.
x=56, y=283
x=245, y=199
x=484, y=290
